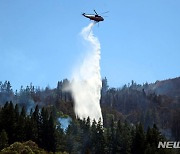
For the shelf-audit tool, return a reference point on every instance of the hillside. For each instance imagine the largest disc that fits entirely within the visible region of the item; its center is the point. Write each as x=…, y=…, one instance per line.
x=170, y=87
x=157, y=103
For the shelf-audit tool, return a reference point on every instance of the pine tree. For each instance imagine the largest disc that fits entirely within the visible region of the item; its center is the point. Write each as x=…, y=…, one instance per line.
x=111, y=140
x=138, y=145
x=84, y=133
x=51, y=135
x=69, y=138
x=60, y=139
x=104, y=86
x=123, y=138
x=8, y=121
x=118, y=137
x=16, y=110
x=44, y=129
x=153, y=136
x=127, y=138
x=3, y=139
x=93, y=136
x=20, y=126
x=98, y=140
x=31, y=129
x=35, y=122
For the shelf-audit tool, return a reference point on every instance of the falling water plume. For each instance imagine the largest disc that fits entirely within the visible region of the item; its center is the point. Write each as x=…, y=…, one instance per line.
x=86, y=84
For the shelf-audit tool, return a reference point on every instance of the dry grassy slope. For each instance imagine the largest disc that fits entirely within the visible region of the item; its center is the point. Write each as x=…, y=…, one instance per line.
x=169, y=87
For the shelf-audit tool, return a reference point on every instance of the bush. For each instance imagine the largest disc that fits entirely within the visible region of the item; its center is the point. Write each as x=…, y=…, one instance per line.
x=28, y=147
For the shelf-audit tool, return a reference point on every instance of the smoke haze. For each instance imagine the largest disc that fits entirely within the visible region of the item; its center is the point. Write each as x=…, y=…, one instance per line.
x=86, y=84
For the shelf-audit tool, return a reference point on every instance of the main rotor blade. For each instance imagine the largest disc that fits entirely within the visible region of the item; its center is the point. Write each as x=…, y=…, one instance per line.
x=105, y=12
x=95, y=12
x=90, y=14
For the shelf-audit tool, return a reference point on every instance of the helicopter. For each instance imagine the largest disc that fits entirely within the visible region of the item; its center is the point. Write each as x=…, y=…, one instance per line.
x=95, y=17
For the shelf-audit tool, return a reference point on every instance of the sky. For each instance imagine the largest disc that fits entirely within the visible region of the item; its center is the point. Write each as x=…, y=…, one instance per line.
x=40, y=40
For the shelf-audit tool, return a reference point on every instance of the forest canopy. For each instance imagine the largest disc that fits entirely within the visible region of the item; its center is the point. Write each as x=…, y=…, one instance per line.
x=135, y=118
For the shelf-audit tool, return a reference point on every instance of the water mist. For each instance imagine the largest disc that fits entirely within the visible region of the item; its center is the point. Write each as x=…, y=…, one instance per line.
x=86, y=84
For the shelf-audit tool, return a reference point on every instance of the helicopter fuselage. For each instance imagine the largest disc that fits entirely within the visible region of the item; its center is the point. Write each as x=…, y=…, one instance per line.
x=96, y=18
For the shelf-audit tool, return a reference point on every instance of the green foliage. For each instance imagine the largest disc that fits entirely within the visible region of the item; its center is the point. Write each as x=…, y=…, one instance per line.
x=39, y=126
x=28, y=147
x=82, y=136
x=148, y=103
x=133, y=103
x=153, y=136
x=138, y=145
x=99, y=140
x=3, y=139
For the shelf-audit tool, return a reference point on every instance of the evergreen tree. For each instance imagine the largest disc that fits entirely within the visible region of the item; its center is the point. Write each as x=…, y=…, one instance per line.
x=123, y=138
x=69, y=138
x=111, y=140
x=31, y=129
x=3, y=139
x=51, y=135
x=73, y=138
x=44, y=131
x=126, y=139
x=153, y=136
x=118, y=137
x=8, y=121
x=20, y=133
x=16, y=110
x=84, y=134
x=138, y=145
x=93, y=136
x=35, y=121
x=98, y=139
x=104, y=86
x=60, y=139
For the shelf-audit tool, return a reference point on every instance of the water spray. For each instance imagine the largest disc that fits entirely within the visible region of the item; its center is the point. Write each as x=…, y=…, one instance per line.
x=86, y=84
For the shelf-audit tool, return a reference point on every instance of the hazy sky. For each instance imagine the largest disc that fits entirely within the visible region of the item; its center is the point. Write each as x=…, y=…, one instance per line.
x=40, y=42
